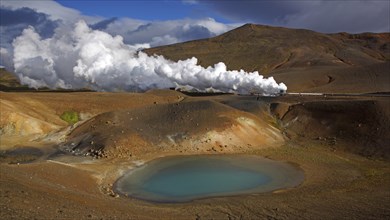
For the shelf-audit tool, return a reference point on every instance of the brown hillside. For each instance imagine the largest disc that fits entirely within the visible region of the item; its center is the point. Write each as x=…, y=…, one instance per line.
x=307, y=57
x=189, y=126
x=8, y=79
x=359, y=126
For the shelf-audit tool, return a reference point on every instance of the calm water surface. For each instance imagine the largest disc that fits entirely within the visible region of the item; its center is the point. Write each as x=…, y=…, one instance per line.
x=185, y=178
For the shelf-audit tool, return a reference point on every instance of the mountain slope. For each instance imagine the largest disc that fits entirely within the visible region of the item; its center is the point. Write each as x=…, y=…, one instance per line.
x=303, y=59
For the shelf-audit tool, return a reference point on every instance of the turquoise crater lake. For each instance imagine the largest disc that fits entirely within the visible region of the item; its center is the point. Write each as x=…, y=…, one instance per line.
x=186, y=178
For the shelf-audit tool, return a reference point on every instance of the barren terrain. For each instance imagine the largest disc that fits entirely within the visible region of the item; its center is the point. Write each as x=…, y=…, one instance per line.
x=346, y=174
x=62, y=151
x=305, y=60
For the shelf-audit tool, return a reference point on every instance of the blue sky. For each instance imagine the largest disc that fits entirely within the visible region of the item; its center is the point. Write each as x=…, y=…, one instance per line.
x=328, y=16
x=145, y=10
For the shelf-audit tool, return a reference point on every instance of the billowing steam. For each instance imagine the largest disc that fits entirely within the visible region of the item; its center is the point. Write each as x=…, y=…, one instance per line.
x=85, y=58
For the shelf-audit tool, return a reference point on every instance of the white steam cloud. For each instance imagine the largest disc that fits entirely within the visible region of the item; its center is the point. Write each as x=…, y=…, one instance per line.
x=85, y=58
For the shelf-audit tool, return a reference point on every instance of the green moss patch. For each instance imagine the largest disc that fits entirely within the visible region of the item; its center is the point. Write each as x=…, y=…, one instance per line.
x=71, y=117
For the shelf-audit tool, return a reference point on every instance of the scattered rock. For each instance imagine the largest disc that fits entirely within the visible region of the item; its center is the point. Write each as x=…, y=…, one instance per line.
x=108, y=190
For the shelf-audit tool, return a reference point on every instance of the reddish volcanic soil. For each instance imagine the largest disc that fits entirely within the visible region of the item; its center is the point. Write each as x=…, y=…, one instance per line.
x=339, y=142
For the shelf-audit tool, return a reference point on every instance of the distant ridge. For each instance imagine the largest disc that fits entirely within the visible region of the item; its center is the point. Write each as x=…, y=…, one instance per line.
x=9, y=80
x=265, y=48
x=303, y=59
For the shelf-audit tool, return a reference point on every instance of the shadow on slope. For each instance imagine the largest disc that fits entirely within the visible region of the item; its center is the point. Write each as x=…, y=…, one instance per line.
x=358, y=126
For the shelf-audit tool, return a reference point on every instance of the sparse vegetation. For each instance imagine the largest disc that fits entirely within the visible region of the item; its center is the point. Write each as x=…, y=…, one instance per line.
x=71, y=117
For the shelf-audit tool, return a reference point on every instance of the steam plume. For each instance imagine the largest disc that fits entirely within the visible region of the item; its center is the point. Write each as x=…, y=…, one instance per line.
x=85, y=58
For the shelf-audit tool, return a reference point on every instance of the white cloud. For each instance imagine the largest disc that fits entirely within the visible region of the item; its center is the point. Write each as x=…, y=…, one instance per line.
x=53, y=9
x=354, y=16
x=190, y=2
x=158, y=33
x=6, y=58
x=345, y=16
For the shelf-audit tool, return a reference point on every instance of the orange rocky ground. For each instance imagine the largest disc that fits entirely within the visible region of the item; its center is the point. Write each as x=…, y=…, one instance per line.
x=339, y=142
